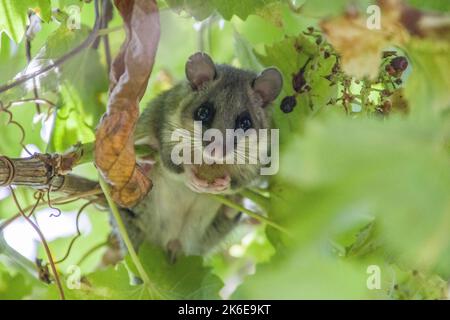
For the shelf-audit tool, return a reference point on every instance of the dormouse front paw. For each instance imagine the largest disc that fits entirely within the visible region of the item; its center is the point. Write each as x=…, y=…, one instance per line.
x=216, y=186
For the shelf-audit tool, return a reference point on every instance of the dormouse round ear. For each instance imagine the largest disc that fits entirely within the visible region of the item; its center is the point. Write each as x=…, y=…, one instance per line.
x=200, y=69
x=268, y=84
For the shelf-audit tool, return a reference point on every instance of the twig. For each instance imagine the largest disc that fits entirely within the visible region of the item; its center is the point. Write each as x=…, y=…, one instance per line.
x=37, y=100
x=57, y=201
x=29, y=35
x=107, y=16
x=28, y=56
x=44, y=243
x=252, y=214
x=18, y=125
x=91, y=251
x=77, y=222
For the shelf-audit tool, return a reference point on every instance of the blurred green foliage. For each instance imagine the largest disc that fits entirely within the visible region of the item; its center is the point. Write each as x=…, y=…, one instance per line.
x=354, y=190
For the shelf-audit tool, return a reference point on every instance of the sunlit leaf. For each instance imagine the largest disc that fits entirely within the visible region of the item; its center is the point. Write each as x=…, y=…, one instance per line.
x=14, y=16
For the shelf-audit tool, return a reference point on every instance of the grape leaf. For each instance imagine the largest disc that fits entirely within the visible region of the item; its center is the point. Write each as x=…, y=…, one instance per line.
x=244, y=53
x=112, y=283
x=340, y=159
x=14, y=16
x=427, y=86
x=439, y=5
x=187, y=278
x=290, y=55
x=199, y=9
x=81, y=82
x=13, y=286
x=342, y=172
x=242, y=9
x=305, y=275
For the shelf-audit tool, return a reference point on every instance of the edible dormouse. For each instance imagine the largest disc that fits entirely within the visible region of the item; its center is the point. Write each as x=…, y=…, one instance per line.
x=178, y=214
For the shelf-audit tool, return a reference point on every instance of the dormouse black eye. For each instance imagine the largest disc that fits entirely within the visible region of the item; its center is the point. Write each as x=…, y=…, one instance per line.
x=204, y=113
x=244, y=121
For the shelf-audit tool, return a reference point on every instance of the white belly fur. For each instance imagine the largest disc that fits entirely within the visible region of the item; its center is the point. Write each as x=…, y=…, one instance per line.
x=172, y=211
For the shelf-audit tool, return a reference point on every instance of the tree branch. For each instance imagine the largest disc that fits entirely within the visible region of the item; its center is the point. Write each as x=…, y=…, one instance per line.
x=52, y=171
x=43, y=171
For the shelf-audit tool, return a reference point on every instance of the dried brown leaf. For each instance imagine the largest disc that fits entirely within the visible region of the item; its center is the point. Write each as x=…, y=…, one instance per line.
x=361, y=47
x=114, y=148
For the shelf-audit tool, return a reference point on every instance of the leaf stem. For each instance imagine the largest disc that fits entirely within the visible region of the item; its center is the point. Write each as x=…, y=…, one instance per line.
x=256, y=197
x=123, y=233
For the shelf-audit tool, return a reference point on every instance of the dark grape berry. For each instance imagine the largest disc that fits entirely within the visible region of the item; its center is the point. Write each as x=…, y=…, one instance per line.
x=336, y=68
x=318, y=40
x=298, y=81
x=386, y=93
x=399, y=64
x=288, y=103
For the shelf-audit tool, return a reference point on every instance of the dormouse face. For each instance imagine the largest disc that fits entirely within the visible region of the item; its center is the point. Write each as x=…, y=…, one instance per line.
x=220, y=100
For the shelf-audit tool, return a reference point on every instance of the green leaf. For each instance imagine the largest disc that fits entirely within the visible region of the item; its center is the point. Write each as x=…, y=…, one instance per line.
x=244, y=53
x=396, y=171
x=305, y=275
x=242, y=9
x=113, y=283
x=12, y=134
x=427, y=87
x=415, y=285
x=257, y=31
x=14, y=16
x=290, y=55
x=97, y=233
x=188, y=278
x=13, y=287
x=43, y=9
x=82, y=82
x=199, y=9
x=13, y=19
x=16, y=280
x=439, y=5
x=341, y=173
